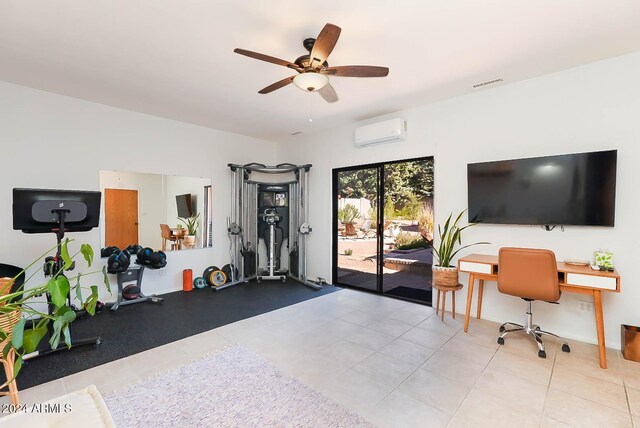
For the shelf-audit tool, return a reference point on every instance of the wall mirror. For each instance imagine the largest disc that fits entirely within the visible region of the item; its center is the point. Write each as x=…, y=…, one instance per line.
x=164, y=212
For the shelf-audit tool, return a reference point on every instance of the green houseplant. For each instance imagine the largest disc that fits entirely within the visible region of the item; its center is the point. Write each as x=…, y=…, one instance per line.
x=24, y=338
x=450, y=236
x=192, y=228
x=347, y=216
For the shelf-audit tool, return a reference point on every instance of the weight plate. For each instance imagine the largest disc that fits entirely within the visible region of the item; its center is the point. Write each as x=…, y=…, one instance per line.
x=199, y=282
x=207, y=273
x=227, y=271
x=217, y=278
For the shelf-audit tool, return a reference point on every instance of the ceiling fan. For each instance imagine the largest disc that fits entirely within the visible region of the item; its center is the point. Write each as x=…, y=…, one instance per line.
x=313, y=68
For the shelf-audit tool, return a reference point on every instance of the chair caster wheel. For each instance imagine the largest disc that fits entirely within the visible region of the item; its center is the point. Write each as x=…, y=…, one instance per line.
x=502, y=329
x=501, y=341
x=542, y=354
x=565, y=348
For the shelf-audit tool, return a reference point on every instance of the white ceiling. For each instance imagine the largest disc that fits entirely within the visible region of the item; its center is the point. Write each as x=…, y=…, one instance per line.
x=174, y=58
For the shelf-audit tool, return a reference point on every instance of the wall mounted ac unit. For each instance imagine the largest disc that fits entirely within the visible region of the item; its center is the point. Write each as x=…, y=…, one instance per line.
x=388, y=131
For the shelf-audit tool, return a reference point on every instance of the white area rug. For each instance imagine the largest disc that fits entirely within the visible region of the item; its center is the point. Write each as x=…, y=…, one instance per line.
x=231, y=388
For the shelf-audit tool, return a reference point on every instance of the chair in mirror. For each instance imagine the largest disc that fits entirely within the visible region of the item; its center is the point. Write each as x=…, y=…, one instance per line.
x=162, y=212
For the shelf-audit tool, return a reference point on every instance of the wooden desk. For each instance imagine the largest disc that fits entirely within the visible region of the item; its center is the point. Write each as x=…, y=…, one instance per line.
x=573, y=279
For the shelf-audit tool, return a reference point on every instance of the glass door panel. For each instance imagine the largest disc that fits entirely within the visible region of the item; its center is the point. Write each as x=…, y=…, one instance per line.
x=356, y=242
x=408, y=229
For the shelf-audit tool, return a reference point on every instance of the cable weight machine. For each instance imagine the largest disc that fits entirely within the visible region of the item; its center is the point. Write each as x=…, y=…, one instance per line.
x=269, y=216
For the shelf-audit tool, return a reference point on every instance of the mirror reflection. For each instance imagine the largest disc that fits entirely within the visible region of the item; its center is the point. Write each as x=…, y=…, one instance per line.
x=163, y=212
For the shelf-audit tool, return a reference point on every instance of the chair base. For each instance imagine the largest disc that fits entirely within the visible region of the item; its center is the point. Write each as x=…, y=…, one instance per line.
x=532, y=330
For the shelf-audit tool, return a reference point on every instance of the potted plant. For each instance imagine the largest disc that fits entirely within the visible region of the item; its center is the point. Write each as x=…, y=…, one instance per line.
x=20, y=338
x=192, y=228
x=450, y=235
x=347, y=216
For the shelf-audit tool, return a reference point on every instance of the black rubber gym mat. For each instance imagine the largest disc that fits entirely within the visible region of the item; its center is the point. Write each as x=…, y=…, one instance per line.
x=136, y=328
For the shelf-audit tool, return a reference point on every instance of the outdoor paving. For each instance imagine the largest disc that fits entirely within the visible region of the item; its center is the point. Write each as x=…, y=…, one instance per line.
x=359, y=268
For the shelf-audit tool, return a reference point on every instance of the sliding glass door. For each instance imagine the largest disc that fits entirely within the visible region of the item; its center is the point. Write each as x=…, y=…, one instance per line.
x=383, y=228
x=356, y=202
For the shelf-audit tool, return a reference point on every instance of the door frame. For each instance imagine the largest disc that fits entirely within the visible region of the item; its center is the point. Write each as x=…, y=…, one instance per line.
x=380, y=214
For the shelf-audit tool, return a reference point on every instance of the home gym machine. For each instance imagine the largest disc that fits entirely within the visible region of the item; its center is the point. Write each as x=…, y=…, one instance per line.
x=269, y=216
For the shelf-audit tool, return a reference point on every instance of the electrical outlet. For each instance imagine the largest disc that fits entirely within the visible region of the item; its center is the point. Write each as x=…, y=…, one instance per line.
x=585, y=306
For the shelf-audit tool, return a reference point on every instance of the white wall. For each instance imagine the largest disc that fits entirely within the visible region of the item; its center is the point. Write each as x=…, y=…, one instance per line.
x=53, y=141
x=592, y=107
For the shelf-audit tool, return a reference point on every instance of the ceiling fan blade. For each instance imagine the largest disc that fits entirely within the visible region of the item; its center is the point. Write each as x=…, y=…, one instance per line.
x=267, y=58
x=328, y=93
x=356, y=71
x=279, y=84
x=325, y=42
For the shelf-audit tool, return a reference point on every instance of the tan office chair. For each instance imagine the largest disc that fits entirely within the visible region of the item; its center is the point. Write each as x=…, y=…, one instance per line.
x=165, y=232
x=530, y=274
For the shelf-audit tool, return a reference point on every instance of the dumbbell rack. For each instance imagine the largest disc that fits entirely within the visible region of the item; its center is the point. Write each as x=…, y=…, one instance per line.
x=133, y=274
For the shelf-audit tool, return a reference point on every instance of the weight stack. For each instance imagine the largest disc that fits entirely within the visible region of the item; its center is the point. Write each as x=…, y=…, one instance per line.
x=249, y=263
x=293, y=262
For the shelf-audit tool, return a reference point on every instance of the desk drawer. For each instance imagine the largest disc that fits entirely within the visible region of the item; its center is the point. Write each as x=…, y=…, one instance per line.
x=591, y=281
x=475, y=267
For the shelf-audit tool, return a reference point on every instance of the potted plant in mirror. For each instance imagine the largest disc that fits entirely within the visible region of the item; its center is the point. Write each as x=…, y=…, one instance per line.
x=347, y=216
x=450, y=235
x=192, y=224
x=22, y=327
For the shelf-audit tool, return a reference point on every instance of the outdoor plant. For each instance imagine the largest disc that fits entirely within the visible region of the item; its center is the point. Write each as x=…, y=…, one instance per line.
x=348, y=252
x=348, y=214
x=409, y=241
x=425, y=223
x=411, y=209
x=191, y=223
x=28, y=332
x=451, y=235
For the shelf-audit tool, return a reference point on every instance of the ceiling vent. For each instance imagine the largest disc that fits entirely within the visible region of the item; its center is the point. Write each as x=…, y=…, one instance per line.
x=487, y=83
x=388, y=131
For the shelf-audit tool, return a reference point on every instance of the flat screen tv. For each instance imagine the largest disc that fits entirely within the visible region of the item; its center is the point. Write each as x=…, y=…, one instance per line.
x=185, y=205
x=575, y=189
x=36, y=210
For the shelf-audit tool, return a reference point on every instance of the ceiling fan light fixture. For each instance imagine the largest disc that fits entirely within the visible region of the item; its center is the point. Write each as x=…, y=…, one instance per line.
x=310, y=81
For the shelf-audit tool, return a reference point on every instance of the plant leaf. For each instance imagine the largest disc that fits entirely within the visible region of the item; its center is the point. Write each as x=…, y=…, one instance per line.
x=32, y=338
x=78, y=289
x=106, y=279
x=87, y=252
x=466, y=246
x=54, y=341
x=90, y=304
x=18, y=334
x=67, y=336
x=17, y=365
x=58, y=289
x=64, y=253
x=6, y=349
x=67, y=315
x=63, y=317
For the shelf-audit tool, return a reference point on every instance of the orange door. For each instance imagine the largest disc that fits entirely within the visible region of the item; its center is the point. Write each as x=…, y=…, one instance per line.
x=121, y=217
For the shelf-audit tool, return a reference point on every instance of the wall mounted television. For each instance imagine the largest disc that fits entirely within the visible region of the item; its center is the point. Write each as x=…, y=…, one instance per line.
x=185, y=203
x=574, y=189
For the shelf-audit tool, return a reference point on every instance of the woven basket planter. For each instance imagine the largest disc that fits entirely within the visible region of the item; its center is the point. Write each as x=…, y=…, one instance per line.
x=445, y=276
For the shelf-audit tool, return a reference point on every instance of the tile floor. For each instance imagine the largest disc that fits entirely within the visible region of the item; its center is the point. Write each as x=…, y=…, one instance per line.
x=398, y=365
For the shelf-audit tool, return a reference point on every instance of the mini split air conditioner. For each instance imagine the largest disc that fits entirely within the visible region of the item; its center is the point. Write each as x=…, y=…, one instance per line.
x=388, y=131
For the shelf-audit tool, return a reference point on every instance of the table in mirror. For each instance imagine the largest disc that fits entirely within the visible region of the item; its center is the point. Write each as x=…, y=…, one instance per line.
x=163, y=212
